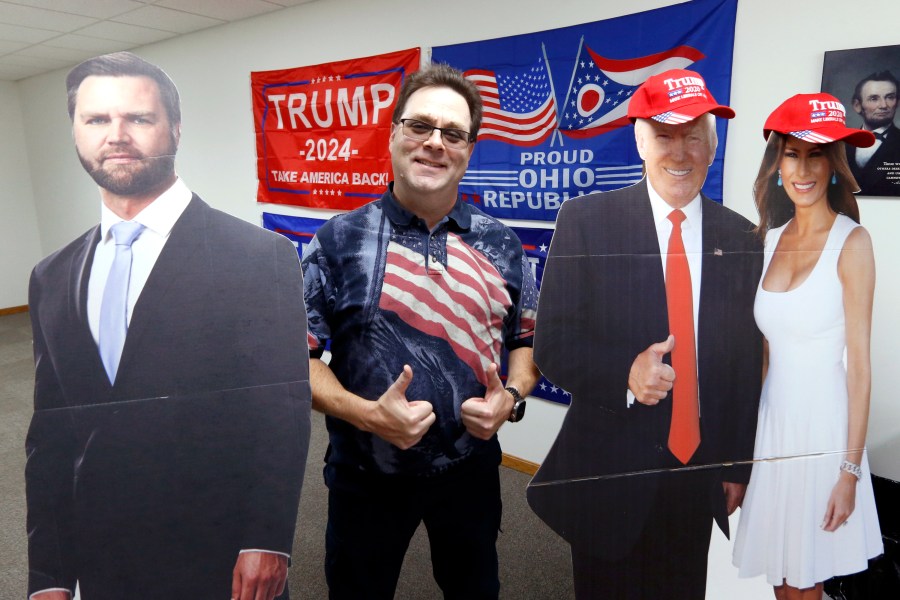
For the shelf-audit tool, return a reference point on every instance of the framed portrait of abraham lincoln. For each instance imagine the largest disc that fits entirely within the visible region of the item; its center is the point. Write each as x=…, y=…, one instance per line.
x=865, y=80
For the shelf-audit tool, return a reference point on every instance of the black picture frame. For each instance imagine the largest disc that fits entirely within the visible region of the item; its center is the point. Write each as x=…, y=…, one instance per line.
x=842, y=70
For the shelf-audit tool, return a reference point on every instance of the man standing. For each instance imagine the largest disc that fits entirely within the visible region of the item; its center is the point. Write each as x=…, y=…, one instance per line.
x=171, y=424
x=877, y=168
x=648, y=287
x=418, y=293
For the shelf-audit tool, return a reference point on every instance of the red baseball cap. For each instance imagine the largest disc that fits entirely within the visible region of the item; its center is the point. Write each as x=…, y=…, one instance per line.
x=673, y=97
x=817, y=118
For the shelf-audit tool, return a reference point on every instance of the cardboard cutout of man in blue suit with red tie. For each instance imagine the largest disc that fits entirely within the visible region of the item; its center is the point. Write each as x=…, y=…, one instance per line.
x=662, y=396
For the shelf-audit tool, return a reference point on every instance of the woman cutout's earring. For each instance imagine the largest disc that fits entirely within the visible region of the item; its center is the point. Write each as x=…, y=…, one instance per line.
x=833, y=178
x=778, y=183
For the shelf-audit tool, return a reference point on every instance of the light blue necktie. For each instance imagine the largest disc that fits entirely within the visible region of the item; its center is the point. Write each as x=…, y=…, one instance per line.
x=114, y=308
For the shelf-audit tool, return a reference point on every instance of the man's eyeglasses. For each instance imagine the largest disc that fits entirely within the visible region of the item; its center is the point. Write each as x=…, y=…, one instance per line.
x=421, y=131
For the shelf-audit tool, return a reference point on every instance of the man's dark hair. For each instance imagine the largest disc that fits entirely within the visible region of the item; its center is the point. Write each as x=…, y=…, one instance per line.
x=125, y=64
x=442, y=75
x=879, y=76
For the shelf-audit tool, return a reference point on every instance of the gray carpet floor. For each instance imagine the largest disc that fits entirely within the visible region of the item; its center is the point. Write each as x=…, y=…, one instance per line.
x=534, y=562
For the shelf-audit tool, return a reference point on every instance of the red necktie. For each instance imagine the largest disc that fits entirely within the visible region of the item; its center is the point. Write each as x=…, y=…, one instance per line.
x=684, y=431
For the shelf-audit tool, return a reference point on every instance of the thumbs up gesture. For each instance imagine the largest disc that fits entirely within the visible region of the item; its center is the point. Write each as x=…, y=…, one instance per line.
x=650, y=378
x=399, y=421
x=484, y=416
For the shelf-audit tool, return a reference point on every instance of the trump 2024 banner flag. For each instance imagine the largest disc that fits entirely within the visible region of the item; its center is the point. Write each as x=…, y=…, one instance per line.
x=322, y=131
x=555, y=103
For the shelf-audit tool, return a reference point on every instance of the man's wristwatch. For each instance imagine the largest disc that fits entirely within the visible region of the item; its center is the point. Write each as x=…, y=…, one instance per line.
x=518, y=409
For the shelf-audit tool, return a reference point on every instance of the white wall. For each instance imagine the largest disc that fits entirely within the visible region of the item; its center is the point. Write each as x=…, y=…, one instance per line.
x=20, y=244
x=778, y=52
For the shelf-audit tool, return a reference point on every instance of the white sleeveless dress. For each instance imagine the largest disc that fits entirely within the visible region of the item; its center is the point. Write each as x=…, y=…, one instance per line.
x=802, y=435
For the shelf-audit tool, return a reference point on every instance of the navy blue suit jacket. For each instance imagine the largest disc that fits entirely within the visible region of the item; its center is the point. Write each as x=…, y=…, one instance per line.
x=602, y=303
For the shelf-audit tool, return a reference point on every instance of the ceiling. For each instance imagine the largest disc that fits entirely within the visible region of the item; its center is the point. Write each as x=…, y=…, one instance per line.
x=37, y=36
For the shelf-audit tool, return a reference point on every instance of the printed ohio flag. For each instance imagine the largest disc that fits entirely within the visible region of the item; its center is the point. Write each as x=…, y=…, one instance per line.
x=555, y=124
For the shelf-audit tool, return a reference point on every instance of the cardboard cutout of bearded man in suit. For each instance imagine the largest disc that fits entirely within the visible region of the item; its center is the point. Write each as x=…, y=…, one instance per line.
x=175, y=473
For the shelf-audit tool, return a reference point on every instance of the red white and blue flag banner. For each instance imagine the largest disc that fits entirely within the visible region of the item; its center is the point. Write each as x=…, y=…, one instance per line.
x=536, y=243
x=556, y=101
x=322, y=131
x=300, y=230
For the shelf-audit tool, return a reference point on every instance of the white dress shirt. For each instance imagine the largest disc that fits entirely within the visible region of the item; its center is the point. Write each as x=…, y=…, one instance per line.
x=158, y=217
x=691, y=235
x=863, y=155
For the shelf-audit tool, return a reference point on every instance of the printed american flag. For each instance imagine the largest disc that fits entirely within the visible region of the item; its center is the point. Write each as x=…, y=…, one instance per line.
x=519, y=107
x=463, y=302
x=812, y=136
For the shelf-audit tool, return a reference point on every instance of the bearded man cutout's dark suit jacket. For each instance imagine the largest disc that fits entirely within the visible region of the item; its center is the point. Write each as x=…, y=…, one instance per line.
x=149, y=488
